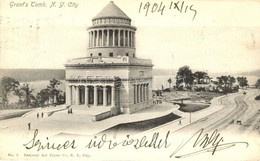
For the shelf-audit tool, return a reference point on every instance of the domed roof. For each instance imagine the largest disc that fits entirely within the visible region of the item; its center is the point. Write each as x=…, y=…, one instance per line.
x=111, y=11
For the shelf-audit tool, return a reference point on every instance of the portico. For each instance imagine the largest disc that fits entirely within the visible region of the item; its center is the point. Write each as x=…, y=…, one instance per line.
x=91, y=95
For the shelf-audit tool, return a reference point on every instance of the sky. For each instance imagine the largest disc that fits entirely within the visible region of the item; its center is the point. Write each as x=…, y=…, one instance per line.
x=223, y=36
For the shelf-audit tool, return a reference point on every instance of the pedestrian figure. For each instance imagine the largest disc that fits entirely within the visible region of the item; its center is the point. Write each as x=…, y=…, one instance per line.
x=179, y=122
x=29, y=126
x=68, y=111
x=37, y=115
x=42, y=114
x=71, y=110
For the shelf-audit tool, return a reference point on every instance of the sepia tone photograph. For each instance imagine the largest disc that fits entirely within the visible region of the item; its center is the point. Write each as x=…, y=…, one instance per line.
x=130, y=80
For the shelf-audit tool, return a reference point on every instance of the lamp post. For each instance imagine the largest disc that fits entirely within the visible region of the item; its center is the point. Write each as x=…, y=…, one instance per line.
x=190, y=117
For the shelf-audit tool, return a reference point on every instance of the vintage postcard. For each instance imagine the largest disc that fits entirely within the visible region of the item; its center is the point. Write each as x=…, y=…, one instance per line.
x=130, y=80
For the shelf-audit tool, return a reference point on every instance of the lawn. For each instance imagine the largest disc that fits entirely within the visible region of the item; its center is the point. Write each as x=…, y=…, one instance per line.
x=197, y=101
x=204, y=97
x=137, y=127
x=8, y=114
x=193, y=107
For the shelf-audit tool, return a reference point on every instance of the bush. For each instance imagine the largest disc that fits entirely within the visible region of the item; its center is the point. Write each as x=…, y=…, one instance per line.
x=257, y=97
x=167, y=90
x=198, y=89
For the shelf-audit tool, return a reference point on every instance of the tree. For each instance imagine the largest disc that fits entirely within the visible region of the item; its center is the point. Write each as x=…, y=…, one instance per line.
x=25, y=95
x=18, y=92
x=184, y=75
x=231, y=80
x=53, y=90
x=200, y=75
x=226, y=83
x=243, y=82
x=42, y=97
x=257, y=84
x=28, y=94
x=7, y=85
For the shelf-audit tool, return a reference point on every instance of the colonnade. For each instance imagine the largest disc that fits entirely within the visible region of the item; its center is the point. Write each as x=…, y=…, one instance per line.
x=141, y=92
x=96, y=95
x=111, y=37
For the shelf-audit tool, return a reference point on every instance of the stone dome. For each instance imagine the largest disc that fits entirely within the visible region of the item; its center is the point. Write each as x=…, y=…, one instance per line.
x=111, y=11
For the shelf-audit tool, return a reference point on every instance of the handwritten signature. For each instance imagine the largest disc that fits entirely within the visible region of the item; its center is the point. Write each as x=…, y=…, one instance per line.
x=199, y=142
x=41, y=145
x=205, y=143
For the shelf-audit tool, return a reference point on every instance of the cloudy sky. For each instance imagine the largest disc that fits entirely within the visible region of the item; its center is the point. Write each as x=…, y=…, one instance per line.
x=224, y=35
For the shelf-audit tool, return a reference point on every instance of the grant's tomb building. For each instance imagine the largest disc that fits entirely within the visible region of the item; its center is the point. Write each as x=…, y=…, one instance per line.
x=110, y=77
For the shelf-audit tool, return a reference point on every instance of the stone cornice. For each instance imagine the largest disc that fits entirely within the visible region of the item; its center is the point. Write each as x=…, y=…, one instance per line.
x=103, y=65
x=112, y=26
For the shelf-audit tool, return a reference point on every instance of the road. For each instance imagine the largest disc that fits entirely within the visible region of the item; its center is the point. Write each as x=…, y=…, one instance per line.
x=237, y=108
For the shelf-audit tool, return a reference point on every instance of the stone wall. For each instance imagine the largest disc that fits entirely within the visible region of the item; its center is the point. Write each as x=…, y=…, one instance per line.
x=117, y=51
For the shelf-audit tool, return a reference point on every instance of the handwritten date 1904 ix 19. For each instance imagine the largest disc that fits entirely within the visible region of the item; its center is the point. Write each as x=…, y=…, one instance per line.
x=179, y=6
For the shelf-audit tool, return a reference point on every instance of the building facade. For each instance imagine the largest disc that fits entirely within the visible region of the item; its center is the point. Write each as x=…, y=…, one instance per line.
x=110, y=76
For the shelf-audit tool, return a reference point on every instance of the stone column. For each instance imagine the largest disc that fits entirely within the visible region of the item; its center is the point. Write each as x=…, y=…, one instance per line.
x=88, y=39
x=97, y=40
x=113, y=96
x=86, y=95
x=133, y=39
x=77, y=95
x=147, y=91
x=107, y=38
x=92, y=38
x=104, y=96
x=95, y=95
x=113, y=31
x=135, y=101
x=102, y=44
x=119, y=37
x=144, y=92
x=124, y=38
x=128, y=38
x=68, y=95
x=72, y=95
x=141, y=93
x=138, y=94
